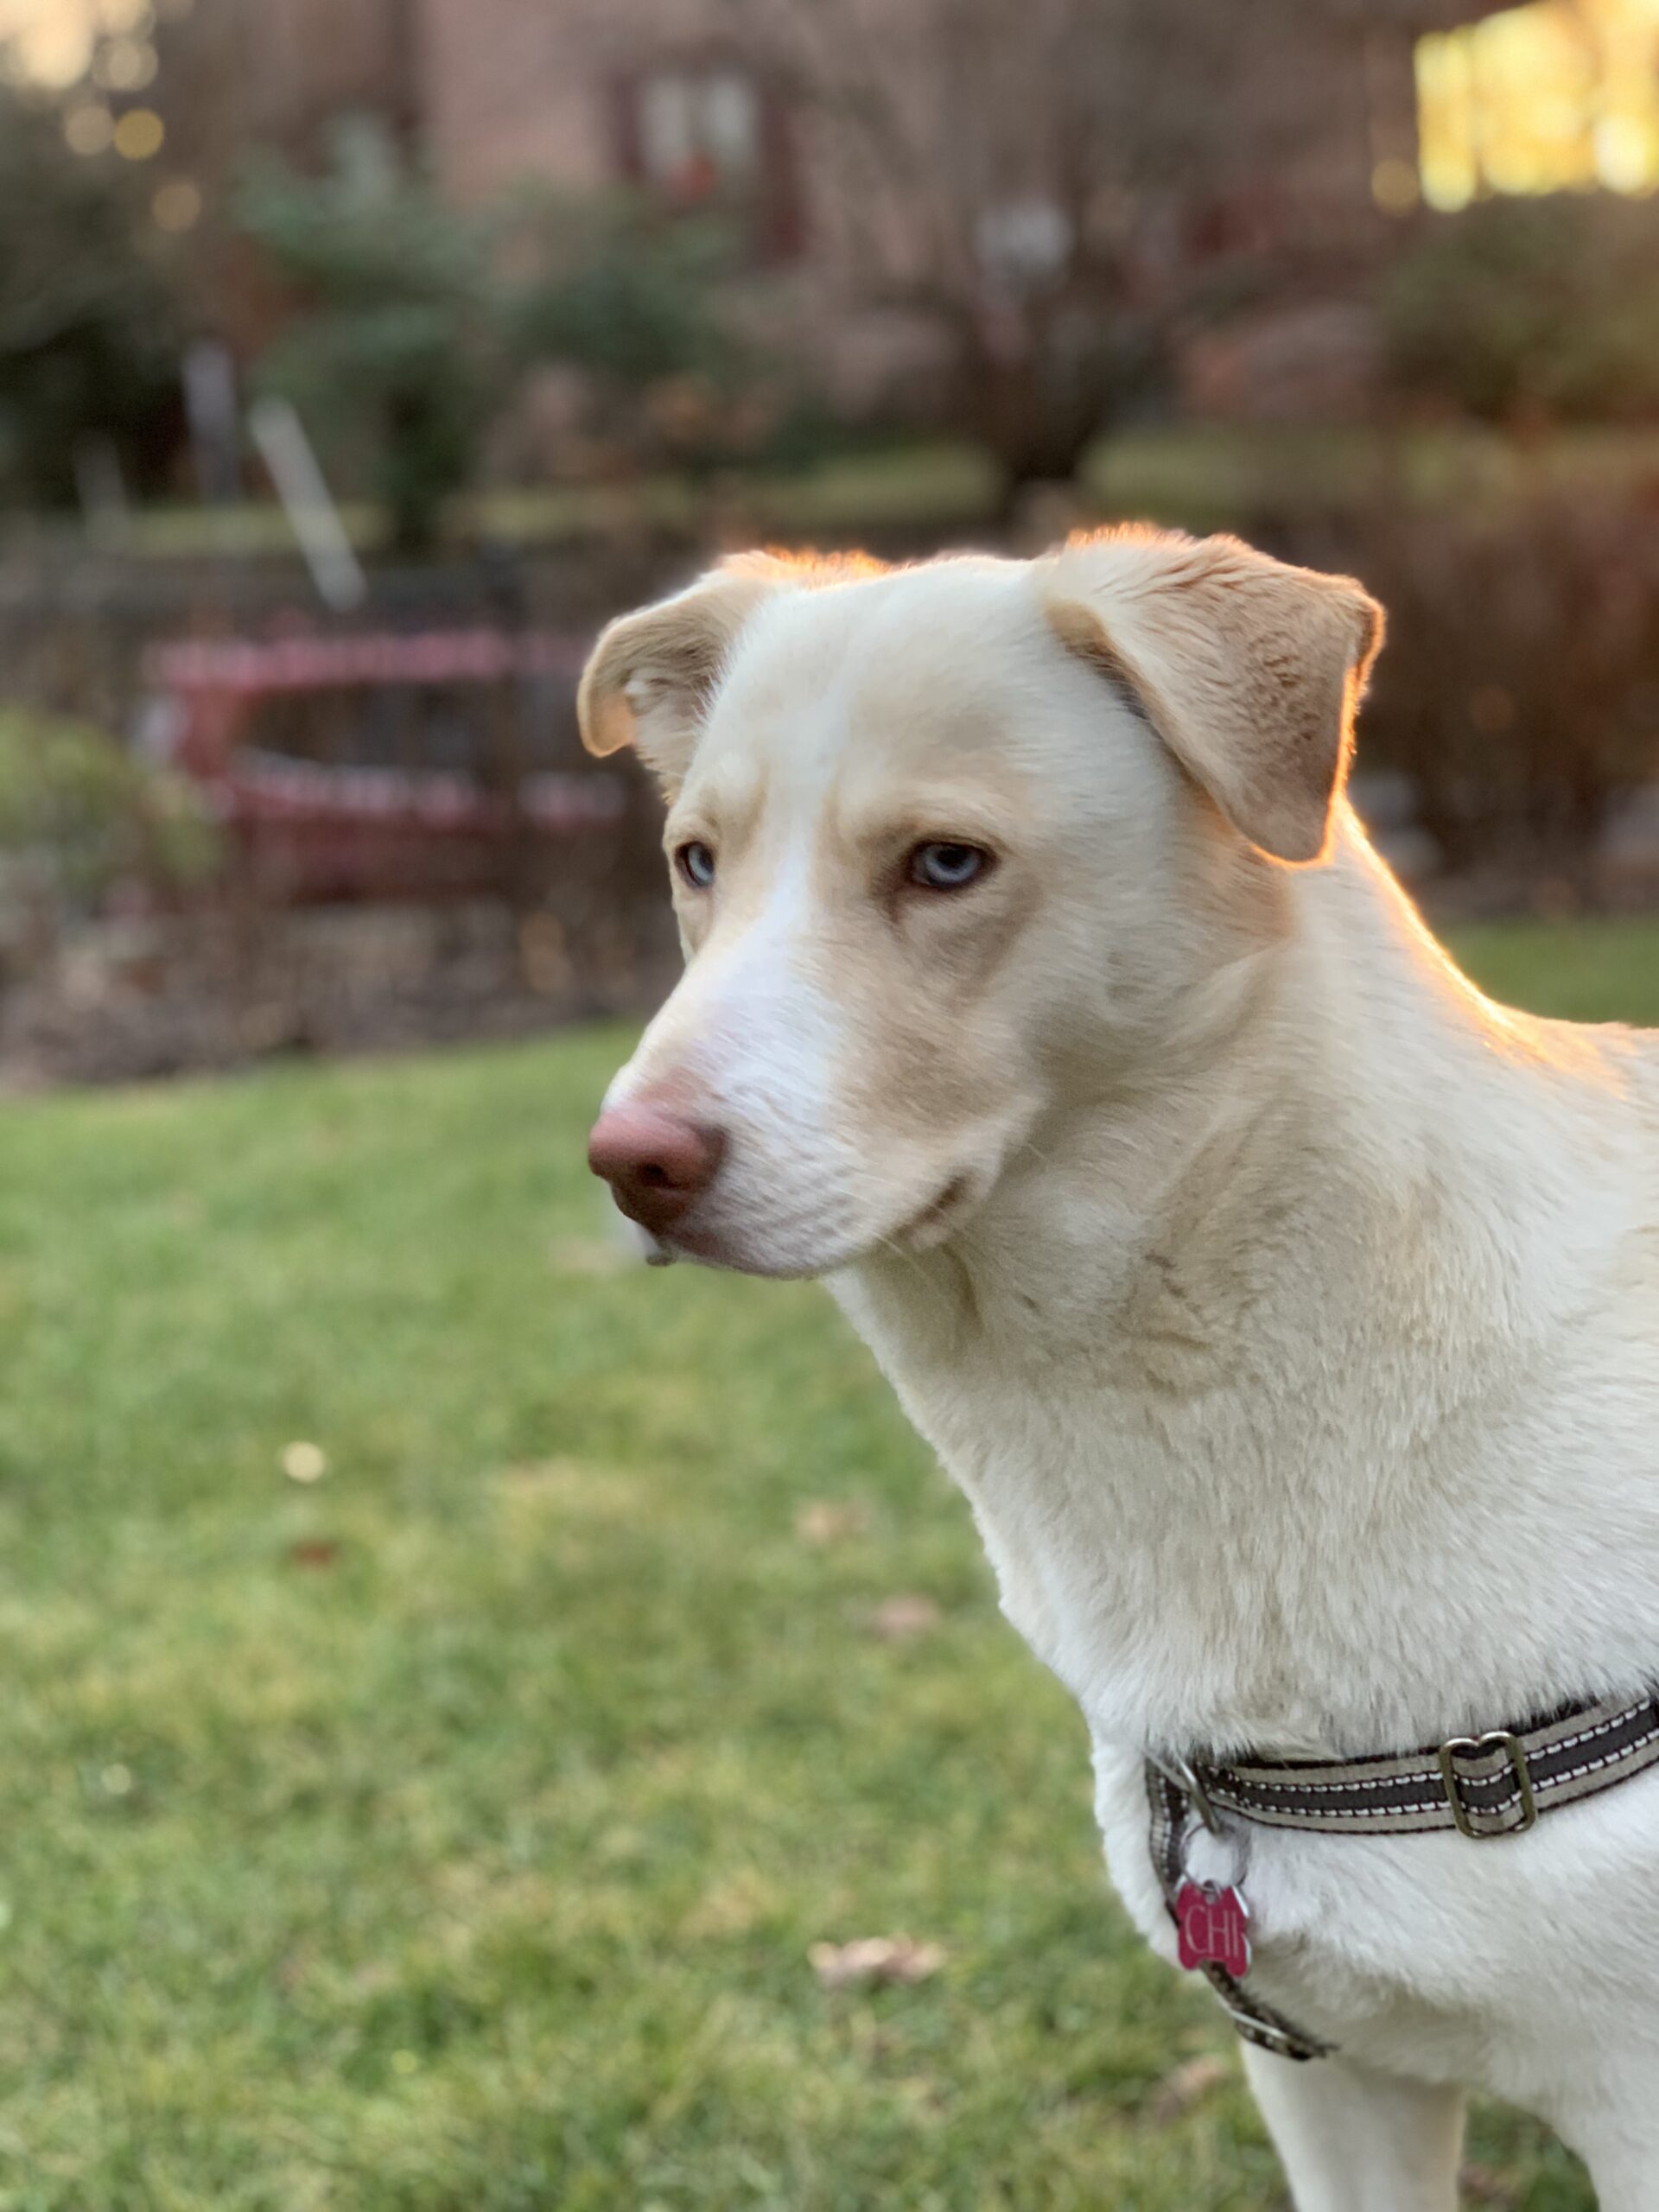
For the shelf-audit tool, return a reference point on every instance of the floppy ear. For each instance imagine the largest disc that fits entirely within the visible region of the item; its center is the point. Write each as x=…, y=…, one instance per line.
x=652, y=674
x=1249, y=670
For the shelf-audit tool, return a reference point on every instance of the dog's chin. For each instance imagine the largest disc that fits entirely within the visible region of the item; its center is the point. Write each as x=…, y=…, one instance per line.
x=741, y=1256
x=750, y=1250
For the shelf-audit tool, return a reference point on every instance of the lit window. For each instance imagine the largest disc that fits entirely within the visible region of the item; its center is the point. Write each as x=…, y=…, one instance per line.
x=699, y=132
x=730, y=122
x=1553, y=97
x=707, y=133
x=667, y=140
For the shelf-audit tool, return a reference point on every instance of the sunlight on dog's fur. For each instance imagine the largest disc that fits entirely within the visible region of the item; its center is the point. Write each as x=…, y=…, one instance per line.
x=1289, y=1314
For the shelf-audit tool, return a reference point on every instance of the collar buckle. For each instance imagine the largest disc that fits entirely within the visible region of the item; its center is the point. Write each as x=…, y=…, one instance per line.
x=1485, y=1747
x=1184, y=1775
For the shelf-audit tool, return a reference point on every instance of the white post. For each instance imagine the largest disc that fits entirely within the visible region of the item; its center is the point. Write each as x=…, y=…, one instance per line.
x=310, y=505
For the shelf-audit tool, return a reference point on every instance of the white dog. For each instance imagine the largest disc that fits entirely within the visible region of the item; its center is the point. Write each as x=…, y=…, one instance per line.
x=1288, y=1313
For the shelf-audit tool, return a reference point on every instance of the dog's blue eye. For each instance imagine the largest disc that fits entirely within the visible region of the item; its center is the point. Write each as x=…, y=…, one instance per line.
x=942, y=866
x=695, y=862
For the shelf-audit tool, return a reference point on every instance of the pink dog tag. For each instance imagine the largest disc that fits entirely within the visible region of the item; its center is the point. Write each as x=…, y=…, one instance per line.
x=1211, y=1924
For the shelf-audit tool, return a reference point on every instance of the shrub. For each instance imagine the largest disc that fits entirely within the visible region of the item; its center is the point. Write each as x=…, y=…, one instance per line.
x=1515, y=307
x=1520, y=689
x=390, y=352
x=81, y=817
x=637, y=302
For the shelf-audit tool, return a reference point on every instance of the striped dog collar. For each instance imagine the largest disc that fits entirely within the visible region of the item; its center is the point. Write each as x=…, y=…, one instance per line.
x=1482, y=1786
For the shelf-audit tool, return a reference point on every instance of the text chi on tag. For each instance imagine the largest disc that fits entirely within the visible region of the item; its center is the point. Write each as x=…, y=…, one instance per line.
x=1212, y=1931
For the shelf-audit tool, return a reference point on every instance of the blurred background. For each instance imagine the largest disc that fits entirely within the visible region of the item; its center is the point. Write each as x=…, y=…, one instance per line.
x=486, y=1728
x=357, y=356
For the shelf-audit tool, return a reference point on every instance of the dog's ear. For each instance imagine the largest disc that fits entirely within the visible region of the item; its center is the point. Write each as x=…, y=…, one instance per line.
x=652, y=674
x=1249, y=670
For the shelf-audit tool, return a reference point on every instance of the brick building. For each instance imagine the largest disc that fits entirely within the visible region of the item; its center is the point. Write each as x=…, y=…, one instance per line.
x=659, y=94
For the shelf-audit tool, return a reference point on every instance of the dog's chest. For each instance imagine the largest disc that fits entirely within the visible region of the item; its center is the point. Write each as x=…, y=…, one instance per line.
x=1349, y=1561
x=1168, y=1556
x=1145, y=1588
x=1355, y=1542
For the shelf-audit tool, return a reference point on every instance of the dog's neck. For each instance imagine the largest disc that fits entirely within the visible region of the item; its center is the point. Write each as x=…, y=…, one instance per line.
x=1246, y=1365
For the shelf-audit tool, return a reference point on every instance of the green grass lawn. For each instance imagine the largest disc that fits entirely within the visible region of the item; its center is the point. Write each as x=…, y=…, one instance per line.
x=449, y=1833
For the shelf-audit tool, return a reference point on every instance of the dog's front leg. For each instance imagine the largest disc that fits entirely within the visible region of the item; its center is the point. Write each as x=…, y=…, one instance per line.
x=1352, y=2141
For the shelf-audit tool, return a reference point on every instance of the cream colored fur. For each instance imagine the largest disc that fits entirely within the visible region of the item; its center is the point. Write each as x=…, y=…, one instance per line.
x=1288, y=1313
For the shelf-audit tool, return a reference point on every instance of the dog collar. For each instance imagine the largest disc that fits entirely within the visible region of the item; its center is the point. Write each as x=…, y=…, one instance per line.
x=1484, y=1787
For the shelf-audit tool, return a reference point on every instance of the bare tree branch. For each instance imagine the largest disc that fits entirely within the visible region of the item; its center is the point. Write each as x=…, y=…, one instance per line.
x=1069, y=187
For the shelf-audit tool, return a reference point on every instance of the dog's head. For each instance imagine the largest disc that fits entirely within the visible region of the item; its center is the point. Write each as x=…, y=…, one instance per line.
x=950, y=845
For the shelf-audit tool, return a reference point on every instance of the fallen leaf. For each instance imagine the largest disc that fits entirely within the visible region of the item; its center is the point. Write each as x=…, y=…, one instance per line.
x=831, y=1521
x=874, y=1959
x=304, y=1462
x=1187, y=2086
x=908, y=1614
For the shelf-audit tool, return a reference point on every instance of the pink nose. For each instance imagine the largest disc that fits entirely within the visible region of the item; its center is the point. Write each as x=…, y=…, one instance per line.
x=656, y=1161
